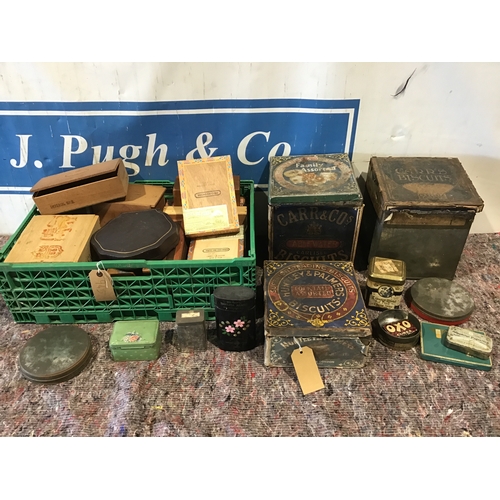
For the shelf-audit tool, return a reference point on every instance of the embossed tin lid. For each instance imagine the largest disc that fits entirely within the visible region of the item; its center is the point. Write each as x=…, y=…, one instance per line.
x=386, y=270
x=441, y=301
x=55, y=354
x=313, y=179
x=420, y=182
x=313, y=298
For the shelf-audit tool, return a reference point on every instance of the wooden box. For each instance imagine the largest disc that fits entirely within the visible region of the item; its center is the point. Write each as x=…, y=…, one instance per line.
x=208, y=197
x=418, y=210
x=177, y=200
x=318, y=304
x=55, y=238
x=81, y=187
x=217, y=247
x=315, y=208
x=139, y=197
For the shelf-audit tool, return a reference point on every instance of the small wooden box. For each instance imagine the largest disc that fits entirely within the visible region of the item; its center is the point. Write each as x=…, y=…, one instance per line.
x=318, y=304
x=315, y=208
x=55, y=238
x=218, y=247
x=139, y=197
x=81, y=187
x=208, y=198
x=418, y=210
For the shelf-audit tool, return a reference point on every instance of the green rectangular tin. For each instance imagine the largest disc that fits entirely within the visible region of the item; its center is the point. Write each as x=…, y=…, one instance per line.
x=433, y=348
x=135, y=340
x=315, y=208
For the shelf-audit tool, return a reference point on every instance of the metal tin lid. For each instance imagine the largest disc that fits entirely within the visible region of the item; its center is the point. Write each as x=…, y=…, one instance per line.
x=55, y=354
x=228, y=297
x=312, y=179
x=146, y=234
x=386, y=270
x=135, y=333
x=470, y=342
x=442, y=301
x=397, y=329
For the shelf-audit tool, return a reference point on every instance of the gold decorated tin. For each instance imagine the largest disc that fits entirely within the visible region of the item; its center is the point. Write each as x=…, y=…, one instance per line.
x=385, y=283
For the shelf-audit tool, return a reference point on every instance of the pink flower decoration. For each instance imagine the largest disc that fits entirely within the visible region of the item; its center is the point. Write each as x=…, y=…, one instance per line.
x=238, y=323
x=230, y=329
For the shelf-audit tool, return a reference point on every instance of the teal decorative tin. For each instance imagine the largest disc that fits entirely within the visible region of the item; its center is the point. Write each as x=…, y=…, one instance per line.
x=315, y=208
x=135, y=340
x=318, y=304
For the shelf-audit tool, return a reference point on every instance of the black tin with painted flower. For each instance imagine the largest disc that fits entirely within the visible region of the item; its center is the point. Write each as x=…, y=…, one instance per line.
x=235, y=318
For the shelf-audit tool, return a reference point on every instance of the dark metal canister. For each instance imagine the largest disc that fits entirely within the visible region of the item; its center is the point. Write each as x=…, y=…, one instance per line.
x=397, y=329
x=385, y=283
x=235, y=318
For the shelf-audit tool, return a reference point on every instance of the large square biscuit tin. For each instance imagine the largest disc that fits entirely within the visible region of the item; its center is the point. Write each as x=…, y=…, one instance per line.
x=318, y=304
x=315, y=208
x=418, y=210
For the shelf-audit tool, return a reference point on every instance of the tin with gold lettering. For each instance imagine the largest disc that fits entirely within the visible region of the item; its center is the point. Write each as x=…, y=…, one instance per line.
x=315, y=208
x=318, y=304
x=385, y=283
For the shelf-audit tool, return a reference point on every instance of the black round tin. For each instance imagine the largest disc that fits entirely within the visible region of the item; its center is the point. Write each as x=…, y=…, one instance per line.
x=441, y=301
x=235, y=318
x=55, y=354
x=397, y=329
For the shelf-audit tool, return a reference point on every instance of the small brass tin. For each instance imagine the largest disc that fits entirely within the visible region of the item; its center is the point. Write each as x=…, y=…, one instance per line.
x=470, y=342
x=385, y=283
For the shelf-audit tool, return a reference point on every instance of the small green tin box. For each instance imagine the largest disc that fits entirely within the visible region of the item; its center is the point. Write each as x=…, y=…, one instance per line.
x=135, y=340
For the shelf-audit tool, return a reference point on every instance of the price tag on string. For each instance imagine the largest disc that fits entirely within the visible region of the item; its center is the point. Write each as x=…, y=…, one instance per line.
x=306, y=369
x=102, y=284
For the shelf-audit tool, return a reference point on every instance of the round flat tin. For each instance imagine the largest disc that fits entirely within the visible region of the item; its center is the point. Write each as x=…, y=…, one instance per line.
x=441, y=301
x=55, y=354
x=397, y=329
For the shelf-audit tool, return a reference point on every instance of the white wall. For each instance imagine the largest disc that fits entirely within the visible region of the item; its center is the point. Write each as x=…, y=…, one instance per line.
x=447, y=109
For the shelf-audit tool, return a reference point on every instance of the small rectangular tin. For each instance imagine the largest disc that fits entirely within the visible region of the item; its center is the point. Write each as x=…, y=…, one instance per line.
x=135, y=340
x=433, y=348
x=191, y=330
x=385, y=283
x=315, y=208
x=318, y=304
x=418, y=210
x=470, y=342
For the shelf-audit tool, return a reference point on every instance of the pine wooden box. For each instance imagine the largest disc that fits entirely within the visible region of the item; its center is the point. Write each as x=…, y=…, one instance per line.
x=55, y=238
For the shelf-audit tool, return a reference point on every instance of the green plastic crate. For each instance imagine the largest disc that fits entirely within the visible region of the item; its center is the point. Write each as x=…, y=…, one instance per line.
x=61, y=293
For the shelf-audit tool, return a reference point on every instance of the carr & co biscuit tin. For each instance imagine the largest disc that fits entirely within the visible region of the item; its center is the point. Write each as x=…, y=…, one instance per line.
x=318, y=304
x=418, y=210
x=315, y=208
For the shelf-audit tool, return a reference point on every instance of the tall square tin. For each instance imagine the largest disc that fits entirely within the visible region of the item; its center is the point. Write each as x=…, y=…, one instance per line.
x=318, y=304
x=315, y=208
x=135, y=340
x=419, y=210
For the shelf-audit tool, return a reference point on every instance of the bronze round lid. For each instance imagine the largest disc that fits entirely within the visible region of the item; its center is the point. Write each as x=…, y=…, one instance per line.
x=441, y=301
x=55, y=354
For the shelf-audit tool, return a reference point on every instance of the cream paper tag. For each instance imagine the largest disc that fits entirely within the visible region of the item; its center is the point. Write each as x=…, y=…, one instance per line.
x=306, y=369
x=102, y=285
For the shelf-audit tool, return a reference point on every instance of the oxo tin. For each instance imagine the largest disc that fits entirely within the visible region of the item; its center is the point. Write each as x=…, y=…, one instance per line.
x=318, y=304
x=397, y=329
x=315, y=208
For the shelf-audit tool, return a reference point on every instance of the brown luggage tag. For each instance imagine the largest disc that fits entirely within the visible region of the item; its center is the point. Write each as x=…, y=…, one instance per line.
x=306, y=369
x=102, y=285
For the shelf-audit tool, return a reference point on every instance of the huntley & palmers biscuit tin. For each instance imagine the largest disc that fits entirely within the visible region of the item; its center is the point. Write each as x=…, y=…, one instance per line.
x=318, y=304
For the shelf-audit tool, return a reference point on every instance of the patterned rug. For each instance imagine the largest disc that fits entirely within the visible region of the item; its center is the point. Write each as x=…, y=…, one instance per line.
x=219, y=393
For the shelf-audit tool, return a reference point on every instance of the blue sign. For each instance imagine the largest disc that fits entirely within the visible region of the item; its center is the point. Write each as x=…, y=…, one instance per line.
x=38, y=139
